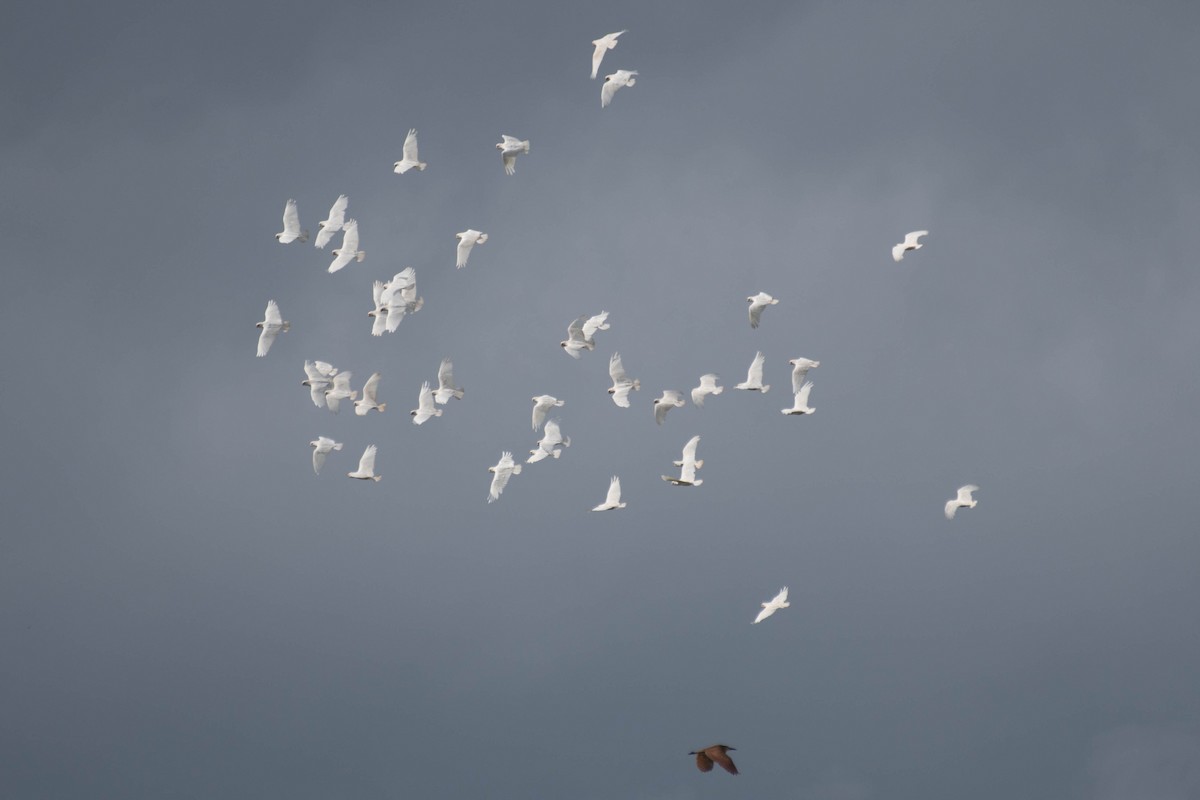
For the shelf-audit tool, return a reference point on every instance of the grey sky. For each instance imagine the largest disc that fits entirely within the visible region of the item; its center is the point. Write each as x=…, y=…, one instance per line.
x=187, y=611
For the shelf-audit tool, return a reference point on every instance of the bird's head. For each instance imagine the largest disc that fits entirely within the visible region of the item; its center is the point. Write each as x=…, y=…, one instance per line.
x=412, y=413
x=258, y=324
x=499, y=145
x=562, y=343
x=278, y=236
x=749, y=299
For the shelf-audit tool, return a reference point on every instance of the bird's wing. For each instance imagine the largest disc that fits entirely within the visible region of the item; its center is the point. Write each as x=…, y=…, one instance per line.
x=703, y=762
x=660, y=409
x=596, y=323
x=964, y=492
x=337, y=214
x=575, y=330
x=725, y=761
x=754, y=375
x=607, y=91
x=614, y=492
x=425, y=400
x=689, y=449
x=898, y=252
x=371, y=386
x=756, y=310
x=802, y=395
x=620, y=394
x=265, y=340
x=616, y=370
x=951, y=507
x=780, y=598
x=410, y=146
x=350, y=237
x=552, y=435
x=366, y=464
x=798, y=373
x=273, y=316
x=465, y=243
x=510, y=163
x=539, y=415
x=291, y=218
x=767, y=610
x=910, y=239
x=446, y=374
x=598, y=56
x=344, y=257
x=379, y=292
x=510, y=142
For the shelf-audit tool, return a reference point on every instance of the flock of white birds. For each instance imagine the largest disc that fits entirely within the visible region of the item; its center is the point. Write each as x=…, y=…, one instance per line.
x=396, y=298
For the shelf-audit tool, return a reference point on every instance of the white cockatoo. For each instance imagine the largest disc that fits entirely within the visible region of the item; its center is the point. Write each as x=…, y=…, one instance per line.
x=688, y=466
x=370, y=397
x=800, y=401
x=910, y=243
x=622, y=77
x=509, y=147
x=613, y=500
x=446, y=388
x=800, y=368
x=541, y=404
x=320, y=379
x=962, y=500
x=400, y=298
x=771, y=606
x=291, y=225
x=339, y=391
x=272, y=325
x=551, y=443
x=757, y=303
x=322, y=446
x=754, y=376
x=333, y=223
x=425, y=406
x=349, y=250
x=410, y=159
x=505, y=468
x=366, y=466
x=670, y=399
x=576, y=342
x=708, y=385
x=466, y=240
x=622, y=384
x=603, y=45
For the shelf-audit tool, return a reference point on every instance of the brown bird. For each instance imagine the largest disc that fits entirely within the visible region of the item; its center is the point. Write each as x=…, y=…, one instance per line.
x=717, y=753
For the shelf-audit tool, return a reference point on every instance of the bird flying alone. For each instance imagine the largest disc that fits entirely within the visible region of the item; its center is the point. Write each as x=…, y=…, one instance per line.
x=272, y=325
x=541, y=404
x=410, y=160
x=291, y=225
x=910, y=243
x=613, y=500
x=603, y=45
x=505, y=468
x=688, y=466
x=771, y=606
x=708, y=385
x=757, y=303
x=716, y=754
x=510, y=147
x=754, y=376
x=622, y=383
x=962, y=500
x=466, y=240
x=800, y=401
x=366, y=466
x=322, y=446
x=622, y=77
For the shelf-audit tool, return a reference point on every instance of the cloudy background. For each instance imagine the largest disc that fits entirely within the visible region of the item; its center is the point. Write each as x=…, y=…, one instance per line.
x=186, y=611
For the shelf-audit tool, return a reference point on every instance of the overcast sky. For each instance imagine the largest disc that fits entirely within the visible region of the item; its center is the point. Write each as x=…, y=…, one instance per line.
x=187, y=611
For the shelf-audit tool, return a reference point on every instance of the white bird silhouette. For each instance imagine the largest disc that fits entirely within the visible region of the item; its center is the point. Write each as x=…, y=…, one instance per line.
x=613, y=500
x=800, y=402
x=688, y=466
x=708, y=385
x=503, y=470
x=963, y=500
x=333, y=223
x=603, y=45
x=777, y=602
x=551, y=444
x=910, y=243
x=622, y=384
x=320, y=378
x=321, y=446
x=757, y=303
x=754, y=376
x=339, y=391
x=446, y=388
x=410, y=159
x=349, y=250
x=800, y=368
x=466, y=240
x=272, y=325
x=291, y=225
x=622, y=77
x=670, y=399
x=576, y=342
x=400, y=298
x=425, y=407
x=510, y=147
x=541, y=404
x=366, y=466
x=369, y=397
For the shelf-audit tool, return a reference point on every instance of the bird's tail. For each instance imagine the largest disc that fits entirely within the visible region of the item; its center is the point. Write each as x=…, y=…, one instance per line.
x=697, y=482
x=699, y=463
x=287, y=326
x=382, y=407
x=766, y=388
x=482, y=238
x=816, y=363
x=360, y=255
x=303, y=236
x=526, y=143
x=417, y=306
x=636, y=384
x=560, y=402
x=718, y=390
x=337, y=446
x=517, y=470
x=376, y=478
x=421, y=166
x=774, y=301
x=566, y=441
x=556, y=453
x=458, y=393
x=437, y=412
x=631, y=82
x=667, y=478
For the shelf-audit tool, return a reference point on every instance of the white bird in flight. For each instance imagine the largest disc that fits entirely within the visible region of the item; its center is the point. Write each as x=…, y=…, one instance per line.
x=272, y=325
x=510, y=147
x=504, y=469
x=613, y=500
x=910, y=243
x=446, y=388
x=410, y=159
x=400, y=298
x=774, y=604
x=757, y=303
x=754, y=376
x=369, y=397
x=800, y=402
x=339, y=391
x=349, y=250
x=622, y=384
x=670, y=399
x=466, y=240
x=333, y=223
x=366, y=466
x=688, y=466
x=622, y=77
x=603, y=45
x=425, y=406
x=320, y=378
x=708, y=385
x=551, y=443
x=962, y=500
x=322, y=446
x=800, y=368
x=576, y=342
x=291, y=225
x=541, y=404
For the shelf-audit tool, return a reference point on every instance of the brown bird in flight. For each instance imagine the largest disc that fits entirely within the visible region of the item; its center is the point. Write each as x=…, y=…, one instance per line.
x=717, y=753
